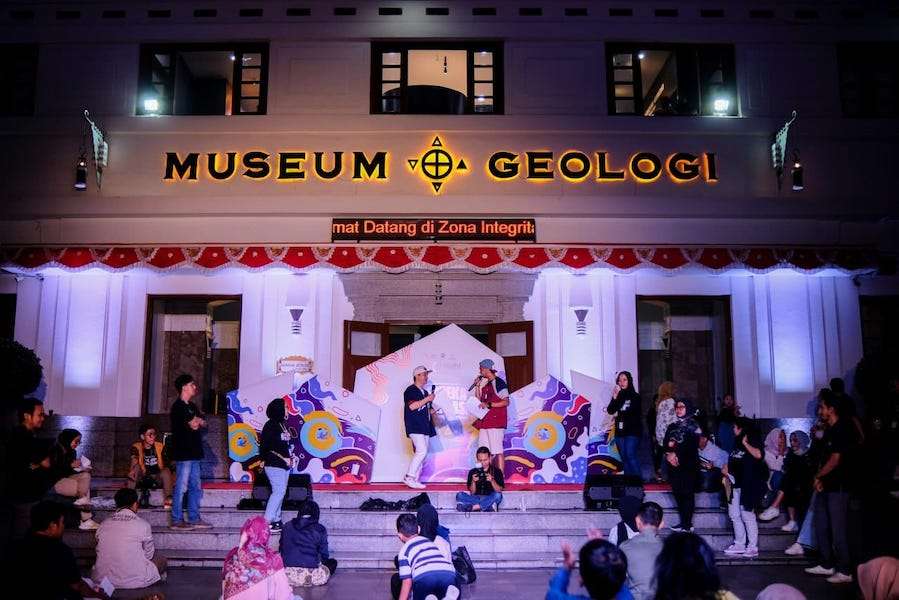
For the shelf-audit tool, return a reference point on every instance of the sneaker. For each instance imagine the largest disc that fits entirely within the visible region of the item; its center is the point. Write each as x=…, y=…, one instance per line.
x=413, y=483
x=682, y=529
x=88, y=525
x=795, y=550
x=275, y=526
x=735, y=550
x=751, y=552
x=790, y=527
x=452, y=593
x=769, y=514
x=839, y=578
x=819, y=570
x=466, y=508
x=83, y=501
x=201, y=524
x=181, y=526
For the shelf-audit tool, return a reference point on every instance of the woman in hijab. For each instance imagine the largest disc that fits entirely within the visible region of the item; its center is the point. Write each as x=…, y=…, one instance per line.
x=746, y=469
x=628, y=507
x=664, y=417
x=796, y=484
x=304, y=548
x=70, y=478
x=775, y=453
x=275, y=452
x=879, y=578
x=780, y=591
x=682, y=455
x=628, y=411
x=252, y=571
x=429, y=525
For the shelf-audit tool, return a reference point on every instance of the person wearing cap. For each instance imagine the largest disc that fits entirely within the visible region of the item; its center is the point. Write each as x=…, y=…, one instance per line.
x=419, y=428
x=494, y=396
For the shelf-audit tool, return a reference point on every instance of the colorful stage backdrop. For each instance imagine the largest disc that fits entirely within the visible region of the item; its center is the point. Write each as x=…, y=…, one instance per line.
x=344, y=437
x=334, y=433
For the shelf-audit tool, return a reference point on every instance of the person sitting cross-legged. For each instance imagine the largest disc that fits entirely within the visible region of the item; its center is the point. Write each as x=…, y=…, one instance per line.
x=304, y=548
x=423, y=569
x=485, y=486
x=603, y=570
x=125, y=550
x=642, y=551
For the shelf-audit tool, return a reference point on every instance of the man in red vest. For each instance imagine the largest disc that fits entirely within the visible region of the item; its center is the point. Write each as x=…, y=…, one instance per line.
x=494, y=396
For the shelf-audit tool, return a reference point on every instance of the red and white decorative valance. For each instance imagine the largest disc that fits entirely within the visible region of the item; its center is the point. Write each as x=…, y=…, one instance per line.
x=396, y=259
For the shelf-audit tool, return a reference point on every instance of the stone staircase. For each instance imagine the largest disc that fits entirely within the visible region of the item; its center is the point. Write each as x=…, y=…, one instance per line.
x=526, y=533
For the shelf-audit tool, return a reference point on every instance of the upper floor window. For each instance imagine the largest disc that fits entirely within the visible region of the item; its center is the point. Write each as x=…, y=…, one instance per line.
x=18, y=72
x=869, y=79
x=671, y=79
x=203, y=79
x=437, y=78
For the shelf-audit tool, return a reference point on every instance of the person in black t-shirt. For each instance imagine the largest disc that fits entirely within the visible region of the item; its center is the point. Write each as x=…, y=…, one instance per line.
x=748, y=473
x=681, y=444
x=188, y=453
x=275, y=452
x=628, y=411
x=418, y=404
x=485, y=486
x=45, y=563
x=833, y=484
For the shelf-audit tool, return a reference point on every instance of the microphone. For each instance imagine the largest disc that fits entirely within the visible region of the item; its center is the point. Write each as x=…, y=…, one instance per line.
x=433, y=387
x=480, y=377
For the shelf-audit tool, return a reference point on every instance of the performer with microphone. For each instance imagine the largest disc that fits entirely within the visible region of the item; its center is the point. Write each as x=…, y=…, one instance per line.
x=494, y=396
x=417, y=408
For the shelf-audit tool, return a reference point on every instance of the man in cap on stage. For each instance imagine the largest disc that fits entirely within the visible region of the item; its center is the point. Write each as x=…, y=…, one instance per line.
x=417, y=408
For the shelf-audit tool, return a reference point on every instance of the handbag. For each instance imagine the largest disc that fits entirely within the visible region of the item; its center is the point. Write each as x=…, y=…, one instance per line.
x=465, y=572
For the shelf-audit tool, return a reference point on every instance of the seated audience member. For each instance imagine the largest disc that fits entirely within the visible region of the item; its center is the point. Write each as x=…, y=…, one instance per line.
x=796, y=485
x=685, y=570
x=603, y=571
x=642, y=551
x=70, y=479
x=125, y=551
x=148, y=469
x=879, y=578
x=423, y=569
x=429, y=527
x=780, y=591
x=485, y=486
x=775, y=454
x=304, y=548
x=44, y=565
x=712, y=463
x=628, y=506
x=252, y=571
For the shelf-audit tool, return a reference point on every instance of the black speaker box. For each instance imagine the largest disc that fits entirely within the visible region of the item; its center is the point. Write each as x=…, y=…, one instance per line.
x=602, y=492
x=299, y=489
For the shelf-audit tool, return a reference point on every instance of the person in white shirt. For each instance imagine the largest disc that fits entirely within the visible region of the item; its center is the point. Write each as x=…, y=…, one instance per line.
x=125, y=551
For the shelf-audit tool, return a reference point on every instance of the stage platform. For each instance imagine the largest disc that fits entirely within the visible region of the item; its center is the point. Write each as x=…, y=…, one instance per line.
x=525, y=533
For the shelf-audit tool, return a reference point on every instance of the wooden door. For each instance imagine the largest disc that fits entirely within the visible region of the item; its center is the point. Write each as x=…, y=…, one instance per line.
x=515, y=343
x=363, y=344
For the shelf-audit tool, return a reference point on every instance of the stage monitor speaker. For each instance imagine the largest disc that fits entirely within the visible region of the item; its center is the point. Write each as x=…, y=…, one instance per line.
x=602, y=492
x=299, y=489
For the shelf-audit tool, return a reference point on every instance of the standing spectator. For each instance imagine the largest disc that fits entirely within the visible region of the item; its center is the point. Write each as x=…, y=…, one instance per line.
x=71, y=479
x=642, y=551
x=304, y=548
x=682, y=455
x=729, y=412
x=603, y=570
x=125, y=550
x=806, y=538
x=485, y=486
x=493, y=392
x=423, y=569
x=746, y=469
x=685, y=570
x=417, y=407
x=628, y=410
x=847, y=407
x=665, y=416
x=796, y=485
x=628, y=507
x=44, y=565
x=188, y=452
x=275, y=453
x=252, y=571
x=833, y=483
x=148, y=469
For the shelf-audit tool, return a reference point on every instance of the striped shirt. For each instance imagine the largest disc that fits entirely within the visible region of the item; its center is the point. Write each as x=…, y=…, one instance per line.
x=419, y=556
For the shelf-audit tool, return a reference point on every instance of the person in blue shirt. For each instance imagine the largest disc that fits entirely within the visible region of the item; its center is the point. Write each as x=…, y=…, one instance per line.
x=603, y=570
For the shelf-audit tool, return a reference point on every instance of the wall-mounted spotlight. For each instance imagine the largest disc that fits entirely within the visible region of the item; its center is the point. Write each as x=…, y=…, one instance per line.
x=720, y=107
x=798, y=184
x=151, y=106
x=81, y=173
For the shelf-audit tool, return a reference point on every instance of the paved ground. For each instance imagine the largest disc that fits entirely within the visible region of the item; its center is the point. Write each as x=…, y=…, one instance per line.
x=745, y=582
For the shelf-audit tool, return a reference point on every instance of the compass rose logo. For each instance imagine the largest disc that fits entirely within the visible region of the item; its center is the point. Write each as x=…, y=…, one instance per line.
x=437, y=165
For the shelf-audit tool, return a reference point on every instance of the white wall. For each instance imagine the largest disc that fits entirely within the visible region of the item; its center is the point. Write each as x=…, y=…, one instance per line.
x=791, y=332
x=88, y=328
